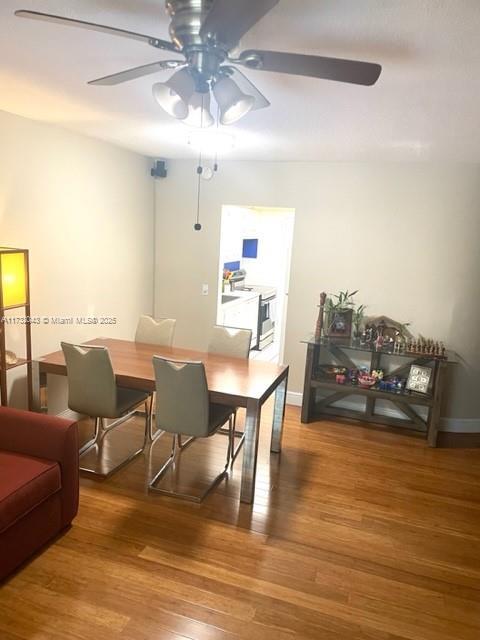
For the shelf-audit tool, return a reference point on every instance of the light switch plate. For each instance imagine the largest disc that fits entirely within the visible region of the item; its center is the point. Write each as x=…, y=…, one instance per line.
x=204, y=289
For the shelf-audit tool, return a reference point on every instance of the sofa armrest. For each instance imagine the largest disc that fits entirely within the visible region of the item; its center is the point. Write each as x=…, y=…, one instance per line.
x=47, y=437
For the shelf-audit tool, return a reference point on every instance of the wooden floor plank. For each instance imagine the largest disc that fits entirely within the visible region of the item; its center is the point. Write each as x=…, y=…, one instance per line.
x=355, y=534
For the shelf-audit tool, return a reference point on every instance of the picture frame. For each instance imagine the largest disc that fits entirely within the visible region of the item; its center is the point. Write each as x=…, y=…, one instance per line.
x=339, y=323
x=419, y=378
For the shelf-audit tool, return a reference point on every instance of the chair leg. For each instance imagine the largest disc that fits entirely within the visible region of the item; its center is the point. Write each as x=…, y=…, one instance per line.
x=166, y=465
x=98, y=441
x=102, y=430
x=184, y=445
x=177, y=447
x=226, y=430
x=88, y=445
x=231, y=440
x=149, y=435
x=153, y=435
x=232, y=434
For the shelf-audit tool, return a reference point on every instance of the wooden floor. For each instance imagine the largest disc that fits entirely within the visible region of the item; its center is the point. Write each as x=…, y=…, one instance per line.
x=354, y=534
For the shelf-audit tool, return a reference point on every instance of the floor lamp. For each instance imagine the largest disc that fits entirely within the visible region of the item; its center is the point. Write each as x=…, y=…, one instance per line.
x=14, y=295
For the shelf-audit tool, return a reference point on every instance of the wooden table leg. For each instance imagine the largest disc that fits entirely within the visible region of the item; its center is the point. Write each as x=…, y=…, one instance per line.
x=279, y=416
x=308, y=394
x=250, y=451
x=434, y=418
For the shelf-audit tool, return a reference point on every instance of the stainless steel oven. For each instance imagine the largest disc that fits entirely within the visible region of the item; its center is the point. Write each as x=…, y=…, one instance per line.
x=266, y=316
x=266, y=308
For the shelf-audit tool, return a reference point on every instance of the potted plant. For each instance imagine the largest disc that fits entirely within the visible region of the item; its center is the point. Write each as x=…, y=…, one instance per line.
x=339, y=311
x=357, y=317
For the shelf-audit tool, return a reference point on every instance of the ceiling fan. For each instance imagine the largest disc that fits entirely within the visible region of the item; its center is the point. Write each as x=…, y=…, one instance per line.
x=204, y=33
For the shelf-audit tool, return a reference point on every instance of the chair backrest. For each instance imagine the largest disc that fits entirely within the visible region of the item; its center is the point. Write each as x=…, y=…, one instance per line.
x=159, y=332
x=182, y=397
x=228, y=341
x=92, y=389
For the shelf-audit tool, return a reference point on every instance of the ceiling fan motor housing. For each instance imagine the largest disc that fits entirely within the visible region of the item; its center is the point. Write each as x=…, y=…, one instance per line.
x=186, y=19
x=203, y=58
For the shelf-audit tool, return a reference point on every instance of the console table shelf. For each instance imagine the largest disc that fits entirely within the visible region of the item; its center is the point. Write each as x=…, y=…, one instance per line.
x=411, y=411
x=422, y=400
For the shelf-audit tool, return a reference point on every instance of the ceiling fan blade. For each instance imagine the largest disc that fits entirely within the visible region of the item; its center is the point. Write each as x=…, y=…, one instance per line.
x=228, y=20
x=248, y=87
x=353, y=71
x=137, y=72
x=69, y=22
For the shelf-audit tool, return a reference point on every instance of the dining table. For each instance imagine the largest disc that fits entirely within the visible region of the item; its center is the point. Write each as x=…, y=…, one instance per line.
x=236, y=382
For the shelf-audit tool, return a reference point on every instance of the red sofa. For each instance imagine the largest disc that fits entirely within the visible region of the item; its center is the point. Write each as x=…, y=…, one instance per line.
x=38, y=482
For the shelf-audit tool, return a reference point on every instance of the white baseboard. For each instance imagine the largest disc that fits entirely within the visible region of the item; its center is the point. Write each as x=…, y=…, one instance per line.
x=450, y=425
x=460, y=425
x=294, y=398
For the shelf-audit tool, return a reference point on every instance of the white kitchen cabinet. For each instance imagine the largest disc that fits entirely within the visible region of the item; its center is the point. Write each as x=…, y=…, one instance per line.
x=243, y=314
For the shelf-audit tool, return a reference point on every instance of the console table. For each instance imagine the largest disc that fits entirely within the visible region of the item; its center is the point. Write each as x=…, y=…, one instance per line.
x=413, y=411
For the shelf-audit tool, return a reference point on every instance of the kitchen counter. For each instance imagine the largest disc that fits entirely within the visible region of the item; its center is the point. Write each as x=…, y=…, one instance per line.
x=236, y=297
x=240, y=309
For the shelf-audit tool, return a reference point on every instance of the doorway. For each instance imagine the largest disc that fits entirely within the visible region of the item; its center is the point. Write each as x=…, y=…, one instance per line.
x=254, y=274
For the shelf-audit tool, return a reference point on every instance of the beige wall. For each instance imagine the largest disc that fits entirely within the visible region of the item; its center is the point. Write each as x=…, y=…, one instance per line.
x=406, y=235
x=85, y=210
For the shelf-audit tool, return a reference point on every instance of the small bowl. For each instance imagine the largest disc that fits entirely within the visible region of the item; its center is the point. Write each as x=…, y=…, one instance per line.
x=366, y=381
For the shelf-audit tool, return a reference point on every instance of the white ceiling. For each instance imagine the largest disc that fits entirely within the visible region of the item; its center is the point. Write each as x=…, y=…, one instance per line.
x=425, y=105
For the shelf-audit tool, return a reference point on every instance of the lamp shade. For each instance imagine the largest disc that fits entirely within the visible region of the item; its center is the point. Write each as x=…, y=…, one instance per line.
x=199, y=111
x=233, y=103
x=174, y=94
x=13, y=284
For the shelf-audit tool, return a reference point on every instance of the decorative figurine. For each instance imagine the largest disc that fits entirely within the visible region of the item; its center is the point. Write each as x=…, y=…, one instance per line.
x=353, y=376
x=425, y=346
x=319, y=326
x=389, y=327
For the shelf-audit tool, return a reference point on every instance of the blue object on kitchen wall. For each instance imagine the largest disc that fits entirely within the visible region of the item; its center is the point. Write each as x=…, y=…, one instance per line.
x=232, y=266
x=250, y=248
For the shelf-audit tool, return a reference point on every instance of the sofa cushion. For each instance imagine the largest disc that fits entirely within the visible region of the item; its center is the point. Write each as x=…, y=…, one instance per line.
x=25, y=482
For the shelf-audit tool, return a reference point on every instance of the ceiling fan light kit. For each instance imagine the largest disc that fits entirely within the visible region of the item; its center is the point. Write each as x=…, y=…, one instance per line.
x=199, y=111
x=232, y=102
x=174, y=94
x=204, y=32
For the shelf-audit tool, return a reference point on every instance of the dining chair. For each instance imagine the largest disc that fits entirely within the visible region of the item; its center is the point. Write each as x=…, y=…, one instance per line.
x=159, y=332
x=93, y=391
x=230, y=341
x=184, y=409
x=235, y=343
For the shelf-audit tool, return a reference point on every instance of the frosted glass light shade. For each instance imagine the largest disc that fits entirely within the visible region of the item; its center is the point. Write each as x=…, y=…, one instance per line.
x=233, y=103
x=14, y=278
x=199, y=111
x=174, y=94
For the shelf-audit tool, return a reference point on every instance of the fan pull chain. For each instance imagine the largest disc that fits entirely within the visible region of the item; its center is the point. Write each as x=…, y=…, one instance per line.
x=197, y=226
x=215, y=160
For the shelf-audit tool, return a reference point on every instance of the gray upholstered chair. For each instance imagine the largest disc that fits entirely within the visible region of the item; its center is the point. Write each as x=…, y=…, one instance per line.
x=184, y=409
x=158, y=332
x=235, y=343
x=92, y=390
x=230, y=341
x=152, y=331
